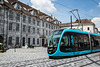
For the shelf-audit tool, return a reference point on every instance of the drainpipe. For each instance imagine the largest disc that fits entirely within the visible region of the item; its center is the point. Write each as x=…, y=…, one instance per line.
x=21, y=32
x=7, y=30
x=3, y=26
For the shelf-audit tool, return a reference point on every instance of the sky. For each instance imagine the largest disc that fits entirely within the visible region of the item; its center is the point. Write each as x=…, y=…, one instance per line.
x=60, y=9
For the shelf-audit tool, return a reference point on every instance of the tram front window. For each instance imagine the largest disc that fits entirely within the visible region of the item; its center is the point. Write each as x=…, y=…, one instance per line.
x=53, y=41
x=54, y=38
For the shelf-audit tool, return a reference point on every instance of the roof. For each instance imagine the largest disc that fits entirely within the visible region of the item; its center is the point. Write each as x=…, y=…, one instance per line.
x=8, y=5
x=83, y=21
x=26, y=9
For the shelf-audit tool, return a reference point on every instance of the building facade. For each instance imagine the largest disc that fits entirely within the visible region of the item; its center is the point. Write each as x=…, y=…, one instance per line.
x=85, y=25
x=22, y=25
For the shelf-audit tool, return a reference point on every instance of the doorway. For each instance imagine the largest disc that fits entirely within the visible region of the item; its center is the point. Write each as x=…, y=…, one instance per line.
x=1, y=39
x=28, y=42
x=42, y=42
x=23, y=41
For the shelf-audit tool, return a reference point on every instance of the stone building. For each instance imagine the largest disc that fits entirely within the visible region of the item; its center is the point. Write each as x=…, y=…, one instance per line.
x=22, y=25
x=85, y=25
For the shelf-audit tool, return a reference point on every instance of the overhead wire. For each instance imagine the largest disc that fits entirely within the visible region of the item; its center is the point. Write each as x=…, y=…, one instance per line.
x=95, y=2
x=72, y=8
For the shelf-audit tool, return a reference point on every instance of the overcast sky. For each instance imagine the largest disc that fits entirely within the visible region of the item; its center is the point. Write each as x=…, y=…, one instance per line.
x=88, y=9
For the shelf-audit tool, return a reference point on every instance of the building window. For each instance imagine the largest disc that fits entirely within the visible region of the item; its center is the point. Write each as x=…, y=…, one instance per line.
x=46, y=32
x=24, y=18
x=18, y=17
x=88, y=28
x=46, y=25
x=43, y=31
x=54, y=27
x=33, y=40
x=17, y=40
x=29, y=29
x=37, y=30
x=46, y=41
x=1, y=11
x=10, y=41
x=17, y=27
x=38, y=23
x=29, y=20
x=49, y=26
x=42, y=24
x=34, y=30
x=34, y=21
x=49, y=32
x=37, y=41
x=10, y=26
x=11, y=17
x=24, y=28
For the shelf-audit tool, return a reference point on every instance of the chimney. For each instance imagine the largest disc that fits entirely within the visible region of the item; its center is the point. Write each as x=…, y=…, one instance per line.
x=54, y=17
x=90, y=19
x=38, y=11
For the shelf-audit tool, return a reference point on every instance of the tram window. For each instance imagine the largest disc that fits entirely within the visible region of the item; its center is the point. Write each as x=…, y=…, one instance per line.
x=81, y=42
x=95, y=40
x=65, y=45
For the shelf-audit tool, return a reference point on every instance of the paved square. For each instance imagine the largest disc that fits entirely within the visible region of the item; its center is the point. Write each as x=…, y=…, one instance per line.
x=37, y=57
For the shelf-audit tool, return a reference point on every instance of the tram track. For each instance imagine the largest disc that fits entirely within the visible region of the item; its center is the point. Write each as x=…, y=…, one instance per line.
x=91, y=62
x=52, y=62
x=57, y=60
x=74, y=61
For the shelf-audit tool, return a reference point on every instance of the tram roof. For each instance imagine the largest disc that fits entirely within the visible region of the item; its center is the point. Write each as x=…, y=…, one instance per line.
x=79, y=31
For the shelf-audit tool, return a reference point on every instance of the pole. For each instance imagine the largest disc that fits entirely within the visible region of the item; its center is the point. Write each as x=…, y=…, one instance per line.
x=82, y=27
x=71, y=21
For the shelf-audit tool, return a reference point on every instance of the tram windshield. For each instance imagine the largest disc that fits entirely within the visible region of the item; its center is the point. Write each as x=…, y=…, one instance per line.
x=54, y=38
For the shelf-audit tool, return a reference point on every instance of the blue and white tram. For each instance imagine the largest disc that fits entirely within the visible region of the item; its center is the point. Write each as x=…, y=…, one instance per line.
x=70, y=42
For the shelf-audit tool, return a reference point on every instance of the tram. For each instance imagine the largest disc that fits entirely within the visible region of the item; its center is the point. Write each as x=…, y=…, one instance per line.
x=71, y=42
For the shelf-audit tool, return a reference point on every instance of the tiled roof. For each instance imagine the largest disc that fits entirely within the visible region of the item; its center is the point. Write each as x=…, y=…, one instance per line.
x=24, y=5
x=26, y=9
x=8, y=5
x=12, y=1
x=83, y=21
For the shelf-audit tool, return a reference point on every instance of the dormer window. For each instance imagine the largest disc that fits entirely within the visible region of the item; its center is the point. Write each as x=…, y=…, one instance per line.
x=17, y=6
x=48, y=19
x=33, y=12
x=24, y=8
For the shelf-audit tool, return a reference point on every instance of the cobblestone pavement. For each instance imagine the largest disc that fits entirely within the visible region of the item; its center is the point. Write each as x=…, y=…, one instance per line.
x=38, y=57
